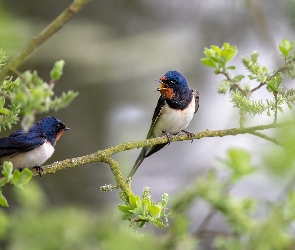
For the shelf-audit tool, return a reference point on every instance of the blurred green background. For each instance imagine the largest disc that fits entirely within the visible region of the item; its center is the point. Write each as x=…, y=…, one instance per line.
x=114, y=52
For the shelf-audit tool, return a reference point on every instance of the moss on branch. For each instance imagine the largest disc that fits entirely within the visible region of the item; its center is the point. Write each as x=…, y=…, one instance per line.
x=105, y=155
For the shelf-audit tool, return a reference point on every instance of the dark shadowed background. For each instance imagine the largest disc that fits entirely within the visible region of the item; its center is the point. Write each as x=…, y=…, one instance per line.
x=114, y=51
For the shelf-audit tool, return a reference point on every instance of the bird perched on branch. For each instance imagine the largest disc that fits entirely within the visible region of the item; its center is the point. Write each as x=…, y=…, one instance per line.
x=173, y=113
x=34, y=147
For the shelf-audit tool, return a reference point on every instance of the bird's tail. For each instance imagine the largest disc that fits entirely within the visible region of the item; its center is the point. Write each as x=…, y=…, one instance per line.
x=138, y=161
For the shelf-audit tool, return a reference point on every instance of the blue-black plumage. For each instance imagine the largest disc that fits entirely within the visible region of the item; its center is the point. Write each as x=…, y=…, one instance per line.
x=173, y=113
x=33, y=147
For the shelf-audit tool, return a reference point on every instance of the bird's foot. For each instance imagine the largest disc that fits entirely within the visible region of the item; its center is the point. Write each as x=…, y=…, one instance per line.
x=189, y=134
x=39, y=169
x=168, y=136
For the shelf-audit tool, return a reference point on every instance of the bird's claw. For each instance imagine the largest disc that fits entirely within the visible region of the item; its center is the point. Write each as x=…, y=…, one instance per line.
x=39, y=169
x=189, y=134
x=168, y=136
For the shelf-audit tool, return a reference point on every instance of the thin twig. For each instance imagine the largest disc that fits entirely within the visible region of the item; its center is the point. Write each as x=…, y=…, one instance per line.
x=258, y=87
x=205, y=222
x=213, y=232
x=266, y=137
x=235, y=85
x=276, y=110
x=281, y=69
x=43, y=36
x=19, y=74
x=5, y=95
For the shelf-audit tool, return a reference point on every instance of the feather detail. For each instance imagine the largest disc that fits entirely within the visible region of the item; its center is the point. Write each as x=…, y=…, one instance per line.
x=197, y=97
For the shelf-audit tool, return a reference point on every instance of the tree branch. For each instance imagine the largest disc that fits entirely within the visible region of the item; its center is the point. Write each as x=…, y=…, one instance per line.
x=266, y=137
x=104, y=155
x=280, y=70
x=35, y=42
x=115, y=167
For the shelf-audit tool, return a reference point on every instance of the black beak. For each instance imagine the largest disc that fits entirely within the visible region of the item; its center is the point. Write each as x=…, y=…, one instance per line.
x=67, y=128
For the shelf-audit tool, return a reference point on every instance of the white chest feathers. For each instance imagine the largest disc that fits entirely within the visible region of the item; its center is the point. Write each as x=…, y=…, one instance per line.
x=35, y=157
x=172, y=120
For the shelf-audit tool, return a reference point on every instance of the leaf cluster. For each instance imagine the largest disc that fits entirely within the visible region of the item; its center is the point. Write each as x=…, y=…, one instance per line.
x=259, y=77
x=140, y=211
x=17, y=178
x=28, y=95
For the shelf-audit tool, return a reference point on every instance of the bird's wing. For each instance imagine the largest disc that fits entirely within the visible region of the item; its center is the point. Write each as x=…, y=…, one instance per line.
x=157, y=112
x=20, y=142
x=147, y=151
x=197, y=97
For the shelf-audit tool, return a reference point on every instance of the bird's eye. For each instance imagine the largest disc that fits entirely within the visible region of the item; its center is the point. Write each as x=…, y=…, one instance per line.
x=59, y=127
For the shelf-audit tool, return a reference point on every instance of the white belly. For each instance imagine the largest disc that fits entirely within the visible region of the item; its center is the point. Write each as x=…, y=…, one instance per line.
x=35, y=157
x=172, y=121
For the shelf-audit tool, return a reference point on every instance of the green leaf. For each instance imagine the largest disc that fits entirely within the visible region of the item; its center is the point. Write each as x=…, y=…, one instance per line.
x=286, y=47
x=142, y=223
x=231, y=68
x=4, y=111
x=228, y=52
x=218, y=60
x=145, y=206
x=155, y=211
x=7, y=168
x=283, y=49
x=21, y=178
x=209, y=52
x=158, y=223
x=7, y=172
x=2, y=101
x=141, y=217
x=251, y=77
x=134, y=201
x=57, y=69
x=124, y=208
x=217, y=71
x=217, y=50
x=128, y=216
x=240, y=163
x=137, y=210
x=208, y=62
x=3, y=201
x=238, y=78
x=280, y=109
x=239, y=157
x=165, y=198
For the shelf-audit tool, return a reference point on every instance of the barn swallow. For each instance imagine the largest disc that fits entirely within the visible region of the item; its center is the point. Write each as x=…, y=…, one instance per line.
x=34, y=147
x=173, y=113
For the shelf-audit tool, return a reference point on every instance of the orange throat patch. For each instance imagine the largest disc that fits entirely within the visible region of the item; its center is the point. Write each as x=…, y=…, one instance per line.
x=59, y=134
x=167, y=93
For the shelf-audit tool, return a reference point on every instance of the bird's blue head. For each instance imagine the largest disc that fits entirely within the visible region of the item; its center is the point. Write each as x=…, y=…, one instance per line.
x=173, y=84
x=51, y=127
